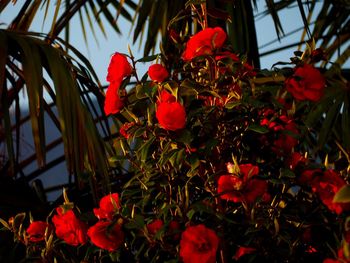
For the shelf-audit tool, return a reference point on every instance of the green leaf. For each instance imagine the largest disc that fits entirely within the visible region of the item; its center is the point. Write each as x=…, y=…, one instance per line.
x=148, y=58
x=343, y=195
x=232, y=105
x=328, y=123
x=114, y=256
x=32, y=69
x=177, y=158
x=185, y=136
x=287, y=173
x=257, y=128
x=5, y=224
x=18, y=220
x=190, y=214
x=143, y=151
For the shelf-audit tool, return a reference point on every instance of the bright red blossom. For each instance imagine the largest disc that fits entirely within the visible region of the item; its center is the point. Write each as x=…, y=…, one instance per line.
x=166, y=97
x=170, y=114
x=307, y=83
x=198, y=245
x=204, y=42
x=295, y=160
x=155, y=226
x=106, y=235
x=69, y=228
x=36, y=231
x=158, y=73
x=109, y=204
x=113, y=103
x=326, y=186
x=118, y=68
x=243, y=187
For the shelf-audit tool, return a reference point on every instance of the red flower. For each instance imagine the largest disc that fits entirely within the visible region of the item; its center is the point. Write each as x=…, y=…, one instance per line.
x=198, y=245
x=106, y=235
x=155, y=226
x=69, y=228
x=243, y=187
x=241, y=251
x=285, y=142
x=307, y=176
x=170, y=114
x=118, y=68
x=157, y=72
x=109, y=204
x=295, y=159
x=326, y=186
x=166, y=97
x=307, y=83
x=37, y=229
x=204, y=42
x=113, y=103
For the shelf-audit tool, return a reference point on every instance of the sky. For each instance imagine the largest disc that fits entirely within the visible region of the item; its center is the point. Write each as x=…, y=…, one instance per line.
x=99, y=53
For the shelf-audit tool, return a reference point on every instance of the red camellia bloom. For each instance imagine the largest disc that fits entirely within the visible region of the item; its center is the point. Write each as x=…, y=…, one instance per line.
x=204, y=42
x=198, y=245
x=118, y=68
x=106, y=235
x=307, y=83
x=157, y=72
x=170, y=114
x=155, y=226
x=69, y=228
x=307, y=176
x=326, y=186
x=109, y=204
x=295, y=159
x=113, y=103
x=37, y=229
x=166, y=97
x=286, y=141
x=243, y=187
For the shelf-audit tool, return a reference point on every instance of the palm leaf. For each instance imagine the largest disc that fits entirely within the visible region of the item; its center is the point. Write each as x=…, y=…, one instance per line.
x=84, y=147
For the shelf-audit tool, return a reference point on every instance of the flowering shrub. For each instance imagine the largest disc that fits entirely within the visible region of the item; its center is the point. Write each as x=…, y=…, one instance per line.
x=224, y=163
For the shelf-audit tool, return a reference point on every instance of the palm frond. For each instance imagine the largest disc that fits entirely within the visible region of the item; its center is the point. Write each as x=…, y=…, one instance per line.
x=32, y=64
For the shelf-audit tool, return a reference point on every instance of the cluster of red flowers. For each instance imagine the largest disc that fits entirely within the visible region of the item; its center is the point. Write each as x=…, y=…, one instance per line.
x=198, y=243
x=247, y=183
x=104, y=234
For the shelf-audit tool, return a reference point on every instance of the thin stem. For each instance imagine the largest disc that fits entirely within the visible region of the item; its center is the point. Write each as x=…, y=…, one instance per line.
x=204, y=15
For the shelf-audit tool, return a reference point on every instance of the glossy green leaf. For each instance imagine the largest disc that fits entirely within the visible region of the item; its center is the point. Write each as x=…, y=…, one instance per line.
x=259, y=129
x=343, y=195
